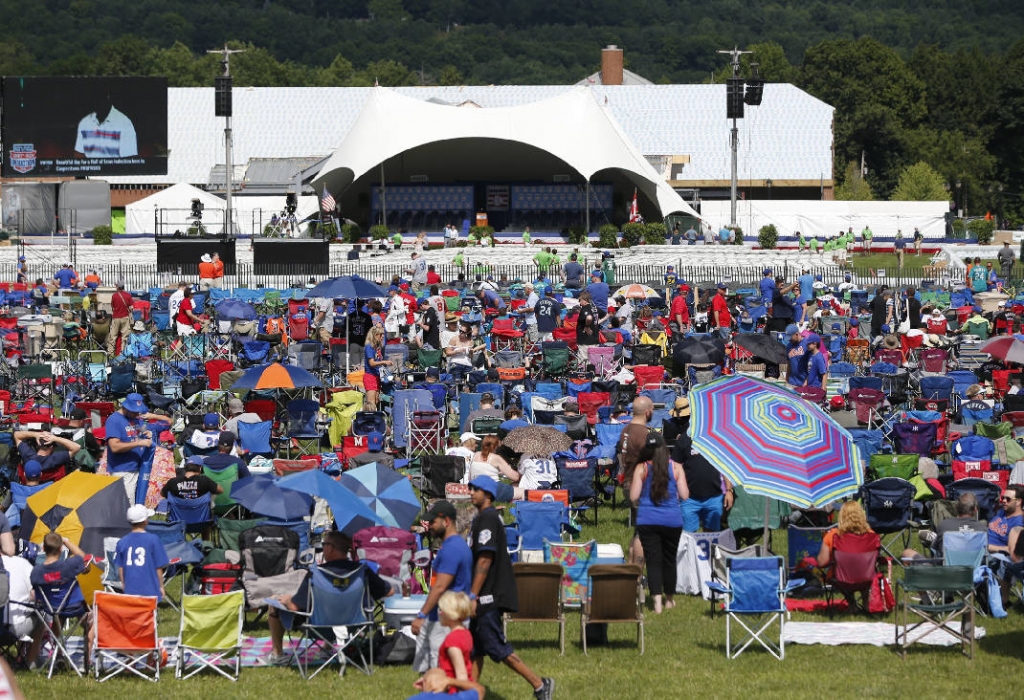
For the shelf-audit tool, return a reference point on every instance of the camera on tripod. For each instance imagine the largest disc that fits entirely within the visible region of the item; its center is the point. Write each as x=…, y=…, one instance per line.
x=197, y=209
x=291, y=203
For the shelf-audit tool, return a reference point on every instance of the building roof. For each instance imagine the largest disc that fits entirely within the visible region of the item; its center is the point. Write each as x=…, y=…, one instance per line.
x=787, y=138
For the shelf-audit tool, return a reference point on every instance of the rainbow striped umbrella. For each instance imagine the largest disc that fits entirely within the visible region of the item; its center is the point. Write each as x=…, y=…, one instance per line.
x=276, y=376
x=772, y=442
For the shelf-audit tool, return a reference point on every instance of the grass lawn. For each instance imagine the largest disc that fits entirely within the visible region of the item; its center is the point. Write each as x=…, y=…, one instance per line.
x=684, y=658
x=888, y=261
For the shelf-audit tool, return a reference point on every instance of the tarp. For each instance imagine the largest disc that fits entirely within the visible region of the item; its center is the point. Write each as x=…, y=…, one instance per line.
x=29, y=207
x=140, y=215
x=84, y=205
x=817, y=217
x=572, y=126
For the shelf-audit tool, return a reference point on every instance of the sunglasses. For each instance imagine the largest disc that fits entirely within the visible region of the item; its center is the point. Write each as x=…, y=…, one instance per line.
x=1007, y=499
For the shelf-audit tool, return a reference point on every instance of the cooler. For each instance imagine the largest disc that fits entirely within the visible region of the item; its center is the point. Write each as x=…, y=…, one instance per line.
x=399, y=611
x=609, y=554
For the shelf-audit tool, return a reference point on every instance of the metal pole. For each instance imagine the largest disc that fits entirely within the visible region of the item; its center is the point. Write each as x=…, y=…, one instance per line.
x=383, y=198
x=228, y=228
x=734, y=138
x=588, y=209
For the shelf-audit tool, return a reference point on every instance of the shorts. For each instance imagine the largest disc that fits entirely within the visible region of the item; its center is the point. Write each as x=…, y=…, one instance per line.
x=371, y=382
x=428, y=644
x=489, y=637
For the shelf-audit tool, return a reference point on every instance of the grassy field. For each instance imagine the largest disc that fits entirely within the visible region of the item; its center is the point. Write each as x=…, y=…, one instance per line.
x=684, y=657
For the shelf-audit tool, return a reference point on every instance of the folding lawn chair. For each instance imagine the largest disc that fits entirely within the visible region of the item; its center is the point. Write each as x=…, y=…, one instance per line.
x=537, y=522
x=210, y=635
x=755, y=589
x=125, y=636
x=60, y=610
x=953, y=586
x=575, y=560
x=614, y=595
x=856, y=560
x=888, y=505
x=539, y=588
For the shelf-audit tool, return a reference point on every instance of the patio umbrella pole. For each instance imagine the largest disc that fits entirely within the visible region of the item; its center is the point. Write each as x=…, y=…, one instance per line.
x=767, y=509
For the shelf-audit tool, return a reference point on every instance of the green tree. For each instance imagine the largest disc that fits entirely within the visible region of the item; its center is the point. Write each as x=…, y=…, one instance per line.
x=877, y=98
x=387, y=73
x=854, y=188
x=125, y=56
x=450, y=75
x=15, y=59
x=386, y=10
x=920, y=183
x=339, y=73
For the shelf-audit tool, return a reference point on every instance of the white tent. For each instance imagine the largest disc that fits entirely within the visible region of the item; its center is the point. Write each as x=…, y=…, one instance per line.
x=141, y=216
x=253, y=213
x=817, y=217
x=571, y=127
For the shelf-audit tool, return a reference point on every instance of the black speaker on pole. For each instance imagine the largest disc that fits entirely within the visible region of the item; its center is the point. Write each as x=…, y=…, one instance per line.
x=755, y=90
x=734, y=98
x=222, y=88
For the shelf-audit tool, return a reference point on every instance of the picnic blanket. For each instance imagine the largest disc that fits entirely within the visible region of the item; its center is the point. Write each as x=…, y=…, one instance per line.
x=879, y=634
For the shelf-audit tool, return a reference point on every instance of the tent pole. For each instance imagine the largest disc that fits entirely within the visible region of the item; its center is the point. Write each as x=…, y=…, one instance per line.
x=383, y=197
x=588, y=208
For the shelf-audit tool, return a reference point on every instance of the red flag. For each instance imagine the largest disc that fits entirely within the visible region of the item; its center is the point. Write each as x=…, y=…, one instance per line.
x=634, y=211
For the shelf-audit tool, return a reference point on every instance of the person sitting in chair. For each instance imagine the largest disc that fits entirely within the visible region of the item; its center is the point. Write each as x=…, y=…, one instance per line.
x=336, y=549
x=486, y=410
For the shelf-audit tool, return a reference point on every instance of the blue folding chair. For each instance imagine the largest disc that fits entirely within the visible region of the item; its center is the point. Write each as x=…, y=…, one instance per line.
x=255, y=438
x=195, y=513
x=335, y=600
x=888, y=504
x=305, y=428
x=986, y=493
x=539, y=521
x=939, y=388
x=58, y=604
x=755, y=590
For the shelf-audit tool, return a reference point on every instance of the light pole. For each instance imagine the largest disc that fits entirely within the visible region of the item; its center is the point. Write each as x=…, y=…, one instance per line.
x=222, y=108
x=735, y=98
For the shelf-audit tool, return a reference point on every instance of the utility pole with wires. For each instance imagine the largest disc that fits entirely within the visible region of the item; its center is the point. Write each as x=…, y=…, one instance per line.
x=222, y=108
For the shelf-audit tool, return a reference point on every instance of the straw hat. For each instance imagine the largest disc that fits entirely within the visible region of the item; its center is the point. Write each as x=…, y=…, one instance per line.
x=682, y=408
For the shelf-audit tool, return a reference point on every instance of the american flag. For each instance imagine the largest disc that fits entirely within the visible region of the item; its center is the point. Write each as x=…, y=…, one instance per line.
x=327, y=202
x=634, y=211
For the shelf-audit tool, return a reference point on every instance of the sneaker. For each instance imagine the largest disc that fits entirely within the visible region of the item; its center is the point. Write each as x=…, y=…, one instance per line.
x=546, y=690
x=276, y=660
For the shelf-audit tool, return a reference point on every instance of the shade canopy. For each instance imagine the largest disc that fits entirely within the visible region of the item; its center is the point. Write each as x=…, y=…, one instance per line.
x=572, y=126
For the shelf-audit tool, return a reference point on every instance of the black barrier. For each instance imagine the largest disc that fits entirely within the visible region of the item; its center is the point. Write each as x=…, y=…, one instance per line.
x=182, y=256
x=280, y=257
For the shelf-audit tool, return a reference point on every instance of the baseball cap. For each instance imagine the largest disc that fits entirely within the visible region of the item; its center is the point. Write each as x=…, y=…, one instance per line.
x=766, y=271
x=139, y=513
x=235, y=406
x=792, y=328
x=78, y=414
x=375, y=441
x=485, y=483
x=194, y=461
x=33, y=469
x=433, y=372
x=722, y=286
x=468, y=436
x=211, y=419
x=404, y=286
x=440, y=508
x=226, y=439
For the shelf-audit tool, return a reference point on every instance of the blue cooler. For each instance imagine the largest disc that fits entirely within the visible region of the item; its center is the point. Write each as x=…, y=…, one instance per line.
x=399, y=611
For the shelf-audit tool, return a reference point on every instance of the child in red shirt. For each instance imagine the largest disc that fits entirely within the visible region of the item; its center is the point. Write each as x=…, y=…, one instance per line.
x=454, y=656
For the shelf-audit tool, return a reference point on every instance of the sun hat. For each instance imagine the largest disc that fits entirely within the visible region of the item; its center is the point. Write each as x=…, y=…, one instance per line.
x=134, y=403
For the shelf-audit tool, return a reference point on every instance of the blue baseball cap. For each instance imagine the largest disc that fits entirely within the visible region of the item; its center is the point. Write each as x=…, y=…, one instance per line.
x=722, y=285
x=485, y=483
x=766, y=271
x=194, y=460
x=134, y=403
x=33, y=469
x=792, y=328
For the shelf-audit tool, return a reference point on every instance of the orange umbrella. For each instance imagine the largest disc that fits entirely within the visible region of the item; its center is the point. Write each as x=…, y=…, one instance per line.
x=276, y=376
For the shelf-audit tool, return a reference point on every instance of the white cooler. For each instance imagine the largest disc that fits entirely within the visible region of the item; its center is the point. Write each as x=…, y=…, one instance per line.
x=399, y=611
x=609, y=554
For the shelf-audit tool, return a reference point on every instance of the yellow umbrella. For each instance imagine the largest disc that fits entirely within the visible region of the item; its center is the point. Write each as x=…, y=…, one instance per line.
x=83, y=507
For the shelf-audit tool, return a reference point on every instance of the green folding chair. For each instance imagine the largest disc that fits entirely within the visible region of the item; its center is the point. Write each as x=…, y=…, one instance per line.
x=210, y=635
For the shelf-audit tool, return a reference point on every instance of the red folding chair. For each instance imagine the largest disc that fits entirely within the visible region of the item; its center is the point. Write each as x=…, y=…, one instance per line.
x=590, y=401
x=141, y=310
x=933, y=360
x=1001, y=381
x=298, y=306
x=505, y=335
x=892, y=356
x=1015, y=417
x=566, y=334
x=214, y=368
x=266, y=409
x=353, y=446
x=813, y=394
x=867, y=404
x=648, y=375
x=97, y=412
x=298, y=327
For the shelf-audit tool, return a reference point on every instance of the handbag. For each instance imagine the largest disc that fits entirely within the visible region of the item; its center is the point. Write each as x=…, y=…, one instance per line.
x=880, y=599
x=905, y=323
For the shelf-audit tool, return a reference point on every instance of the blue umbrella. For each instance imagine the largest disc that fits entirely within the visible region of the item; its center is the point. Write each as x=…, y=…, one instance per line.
x=386, y=491
x=350, y=513
x=276, y=376
x=346, y=287
x=235, y=310
x=264, y=496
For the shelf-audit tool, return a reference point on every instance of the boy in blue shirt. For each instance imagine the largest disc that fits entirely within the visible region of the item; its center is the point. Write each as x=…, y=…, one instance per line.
x=140, y=557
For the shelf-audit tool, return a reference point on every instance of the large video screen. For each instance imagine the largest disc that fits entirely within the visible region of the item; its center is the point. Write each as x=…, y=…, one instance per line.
x=83, y=126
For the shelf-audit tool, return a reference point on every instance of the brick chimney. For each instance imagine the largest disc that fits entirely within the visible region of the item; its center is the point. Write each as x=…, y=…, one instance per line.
x=611, y=65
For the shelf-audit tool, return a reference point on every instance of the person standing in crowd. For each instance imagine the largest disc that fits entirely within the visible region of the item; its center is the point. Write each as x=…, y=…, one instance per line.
x=912, y=306
x=430, y=324
x=588, y=323
x=900, y=245
x=140, y=557
x=373, y=360
x=418, y=269
x=1006, y=259
x=494, y=590
x=186, y=319
x=206, y=271
x=66, y=277
x=529, y=312
x=918, y=240
x=710, y=493
x=549, y=314
x=767, y=288
x=817, y=367
x=174, y=302
x=218, y=272
x=783, y=311
x=599, y=292
x=573, y=272
x=658, y=487
x=120, y=319
x=679, y=312
x=128, y=443
x=22, y=270
x=720, y=314
x=453, y=572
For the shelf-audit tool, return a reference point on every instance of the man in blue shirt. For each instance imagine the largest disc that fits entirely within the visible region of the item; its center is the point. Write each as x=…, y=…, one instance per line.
x=573, y=273
x=66, y=277
x=453, y=568
x=817, y=369
x=797, y=351
x=767, y=287
x=490, y=299
x=723, y=235
x=127, y=443
x=806, y=281
x=599, y=292
x=140, y=557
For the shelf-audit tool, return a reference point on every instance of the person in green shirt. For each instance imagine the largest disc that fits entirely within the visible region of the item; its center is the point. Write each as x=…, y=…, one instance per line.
x=526, y=236
x=813, y=245
x=542, y=260
x=396, y=240
x=801, y=242
x=867, y=235
x=458, y=260
x=556, y=262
